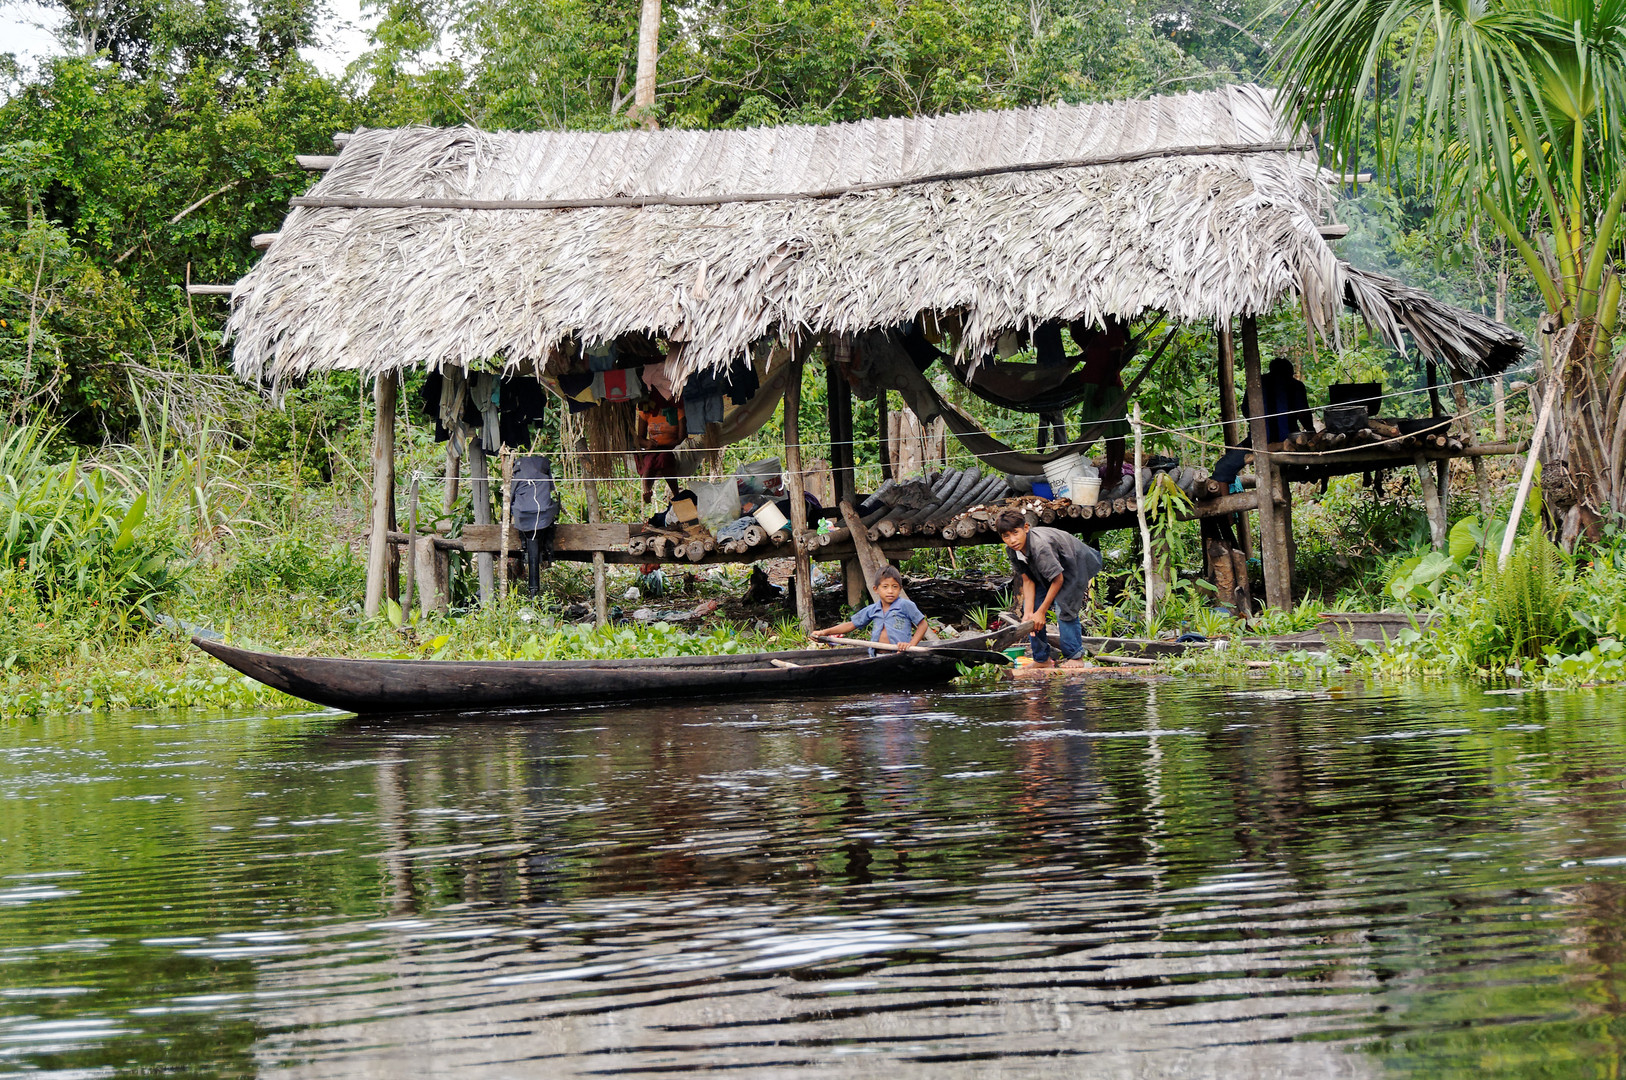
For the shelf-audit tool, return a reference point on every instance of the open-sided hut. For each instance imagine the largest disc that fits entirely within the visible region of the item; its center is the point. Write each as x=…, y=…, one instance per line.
x=464, y=249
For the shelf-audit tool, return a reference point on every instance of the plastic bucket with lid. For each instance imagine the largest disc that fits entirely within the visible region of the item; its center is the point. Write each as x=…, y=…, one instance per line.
x=1059, y=471
x=1084, y=490
x=770, y=518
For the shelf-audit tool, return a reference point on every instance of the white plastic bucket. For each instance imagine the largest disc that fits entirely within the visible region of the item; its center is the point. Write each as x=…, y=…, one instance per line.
x=1061, y=470
x=769, y=517
x=1084, y=490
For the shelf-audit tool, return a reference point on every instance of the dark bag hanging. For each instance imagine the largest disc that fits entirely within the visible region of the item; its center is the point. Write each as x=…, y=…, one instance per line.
x=536, y=511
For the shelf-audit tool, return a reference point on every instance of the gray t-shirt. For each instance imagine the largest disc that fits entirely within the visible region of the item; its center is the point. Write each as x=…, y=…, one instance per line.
x=1051, y=552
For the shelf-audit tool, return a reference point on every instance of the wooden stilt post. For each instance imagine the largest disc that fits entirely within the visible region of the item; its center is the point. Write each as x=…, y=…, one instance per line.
x=881, y=427
x=793, y=476
x=1140, y=520
x=1431, y=502
x=601, y=599
x=504, y=521
x=480, y=493
x=839, y=395
x=379, y=548
x=412, y=542
x=1230, y=419
x=1278, y=588
x=1467, y=429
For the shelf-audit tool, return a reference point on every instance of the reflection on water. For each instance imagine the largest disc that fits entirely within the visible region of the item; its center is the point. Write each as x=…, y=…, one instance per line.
x=1102, y=879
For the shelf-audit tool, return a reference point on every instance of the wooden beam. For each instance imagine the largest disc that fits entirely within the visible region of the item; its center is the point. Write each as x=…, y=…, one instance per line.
x=210, y=290
x=362, y=202
x=793, y=475
x=383, y=498
x=567, y=536
x=341, y=139
x=480, y=496
x=1333, y=232
x=263, y=241
x=1278, y=591
x=316, y=162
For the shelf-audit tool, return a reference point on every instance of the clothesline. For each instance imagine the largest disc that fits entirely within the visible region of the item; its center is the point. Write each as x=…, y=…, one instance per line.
x=1019, y=428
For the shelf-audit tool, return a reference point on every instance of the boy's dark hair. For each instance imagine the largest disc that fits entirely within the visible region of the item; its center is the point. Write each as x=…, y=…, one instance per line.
x=1009, y=521
x=888, y=573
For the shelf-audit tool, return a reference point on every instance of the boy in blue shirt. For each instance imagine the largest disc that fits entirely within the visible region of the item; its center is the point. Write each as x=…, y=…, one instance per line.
x=893, y=620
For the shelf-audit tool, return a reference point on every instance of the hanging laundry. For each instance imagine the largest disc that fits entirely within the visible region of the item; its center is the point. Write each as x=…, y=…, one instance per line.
x=617, y=386
x=577, y=390
x=435, y=403
x=524, y=405
x=601, y=357
x=703, y=400
x=740, y=383
x=485, y=390
x=658, y=379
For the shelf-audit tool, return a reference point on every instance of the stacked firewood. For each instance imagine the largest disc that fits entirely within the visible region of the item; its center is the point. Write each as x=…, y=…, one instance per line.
x=1413, y=436
x=919, y=507
x=981, y=519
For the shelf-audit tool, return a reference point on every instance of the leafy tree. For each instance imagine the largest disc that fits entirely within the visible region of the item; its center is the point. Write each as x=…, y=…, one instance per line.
x=1513, y=110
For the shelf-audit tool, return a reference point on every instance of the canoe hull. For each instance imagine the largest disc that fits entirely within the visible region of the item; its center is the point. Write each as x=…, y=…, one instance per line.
x=442, y=686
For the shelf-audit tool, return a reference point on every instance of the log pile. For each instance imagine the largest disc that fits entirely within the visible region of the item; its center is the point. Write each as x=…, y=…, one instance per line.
x=980, y=519
x=1395, y=435
x=920, y=507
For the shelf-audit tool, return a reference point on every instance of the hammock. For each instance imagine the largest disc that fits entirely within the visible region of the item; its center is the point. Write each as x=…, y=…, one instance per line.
x=897, y=371
x=1032, y=388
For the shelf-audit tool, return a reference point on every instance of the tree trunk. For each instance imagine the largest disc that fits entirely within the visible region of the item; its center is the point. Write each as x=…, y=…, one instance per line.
x=649, y=35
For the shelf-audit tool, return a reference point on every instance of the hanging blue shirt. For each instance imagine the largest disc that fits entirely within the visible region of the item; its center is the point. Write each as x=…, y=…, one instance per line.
x=899, y=620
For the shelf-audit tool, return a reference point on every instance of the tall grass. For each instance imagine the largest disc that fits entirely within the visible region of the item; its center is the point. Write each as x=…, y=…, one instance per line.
x=1527, y=602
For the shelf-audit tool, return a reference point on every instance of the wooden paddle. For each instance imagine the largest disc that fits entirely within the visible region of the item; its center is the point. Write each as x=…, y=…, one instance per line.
x=969, y=656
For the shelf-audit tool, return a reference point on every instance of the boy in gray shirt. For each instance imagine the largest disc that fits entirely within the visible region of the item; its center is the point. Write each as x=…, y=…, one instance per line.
x=1053, y=570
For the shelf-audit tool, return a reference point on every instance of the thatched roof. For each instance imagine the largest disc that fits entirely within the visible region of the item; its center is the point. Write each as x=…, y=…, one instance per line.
x=412, y=252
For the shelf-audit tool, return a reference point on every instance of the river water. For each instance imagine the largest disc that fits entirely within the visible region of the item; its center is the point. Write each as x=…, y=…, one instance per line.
x=1117, y=878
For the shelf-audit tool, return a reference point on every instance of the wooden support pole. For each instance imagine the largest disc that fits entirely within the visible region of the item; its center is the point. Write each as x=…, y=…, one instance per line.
x=1466, y=428
x=839, y=397
x=380, y=552
x=505, y=463
x=1554, y=380
x=601, y=599
x=793, y=475
x=480, y=493
x=1140, y=520
x=1432, y=503
x=1230, y=419
x=1278, y=580
x=429, y=568
x=412, y=542
x=882, y=422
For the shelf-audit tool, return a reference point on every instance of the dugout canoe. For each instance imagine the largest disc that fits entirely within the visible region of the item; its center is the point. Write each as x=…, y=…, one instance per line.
x=442, y=686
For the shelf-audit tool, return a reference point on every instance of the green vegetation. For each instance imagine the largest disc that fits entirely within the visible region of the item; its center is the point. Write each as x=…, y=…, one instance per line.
x=141, y=479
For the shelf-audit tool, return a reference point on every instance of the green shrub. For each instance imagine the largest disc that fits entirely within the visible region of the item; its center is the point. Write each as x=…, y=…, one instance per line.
x=81, y=537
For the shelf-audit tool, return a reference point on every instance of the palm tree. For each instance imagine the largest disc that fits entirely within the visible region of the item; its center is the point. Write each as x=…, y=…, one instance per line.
x=1514, y=109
